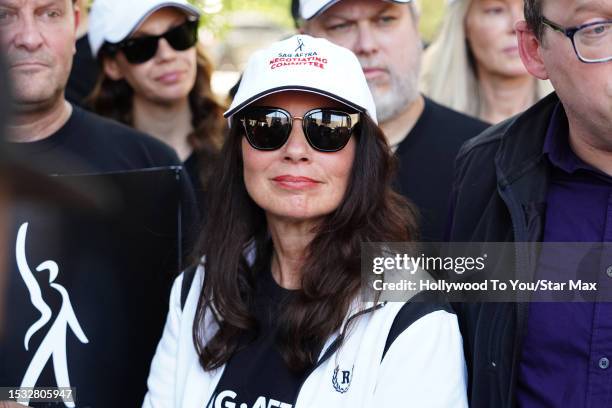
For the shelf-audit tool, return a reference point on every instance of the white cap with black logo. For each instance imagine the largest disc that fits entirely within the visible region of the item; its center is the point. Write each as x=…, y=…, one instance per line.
x=308, y=64
x=312, y=8
x=115, y=20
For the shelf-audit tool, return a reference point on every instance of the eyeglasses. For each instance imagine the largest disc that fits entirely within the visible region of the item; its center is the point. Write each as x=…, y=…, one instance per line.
x=592, y=42
x=326, y=129
x=141, y=49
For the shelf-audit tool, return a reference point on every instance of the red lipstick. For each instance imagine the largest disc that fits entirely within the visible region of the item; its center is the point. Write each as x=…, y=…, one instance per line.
x=295, y=182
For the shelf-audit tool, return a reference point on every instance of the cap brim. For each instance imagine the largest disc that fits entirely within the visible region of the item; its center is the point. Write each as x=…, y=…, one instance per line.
x=299, y=88
x=133, y=26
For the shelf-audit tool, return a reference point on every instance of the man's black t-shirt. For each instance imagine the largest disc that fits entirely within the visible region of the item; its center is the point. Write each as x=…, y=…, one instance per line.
x=426, y=163
x=88, y=143
x=120, y=306
x=84, y=73
x=257, y=375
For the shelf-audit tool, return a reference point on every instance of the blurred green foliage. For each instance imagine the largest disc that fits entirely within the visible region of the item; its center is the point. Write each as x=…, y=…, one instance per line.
x=279, y=11
x=432, y=12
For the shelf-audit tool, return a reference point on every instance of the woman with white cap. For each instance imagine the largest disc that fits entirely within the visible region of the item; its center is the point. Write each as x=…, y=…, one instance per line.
x=474, y=66
x=273, y=316
x=156, y=78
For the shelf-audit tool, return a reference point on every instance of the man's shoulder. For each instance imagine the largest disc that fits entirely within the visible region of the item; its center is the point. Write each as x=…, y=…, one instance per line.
x=110, y=135
x=486, y=143
x=104, y=128
x=524, y=130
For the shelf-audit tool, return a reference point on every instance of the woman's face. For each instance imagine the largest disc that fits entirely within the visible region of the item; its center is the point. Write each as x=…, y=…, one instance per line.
x=170, y=75
x=489, y=29
x=296, y=182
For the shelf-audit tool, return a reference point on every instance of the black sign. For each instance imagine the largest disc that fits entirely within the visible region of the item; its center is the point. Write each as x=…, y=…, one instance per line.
x=87, y=293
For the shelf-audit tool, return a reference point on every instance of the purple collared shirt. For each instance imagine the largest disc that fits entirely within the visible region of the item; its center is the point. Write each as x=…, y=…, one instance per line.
x=567, y=349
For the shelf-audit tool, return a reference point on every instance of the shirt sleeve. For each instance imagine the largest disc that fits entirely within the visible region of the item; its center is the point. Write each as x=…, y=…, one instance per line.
x=162, y=376
x=425, y=366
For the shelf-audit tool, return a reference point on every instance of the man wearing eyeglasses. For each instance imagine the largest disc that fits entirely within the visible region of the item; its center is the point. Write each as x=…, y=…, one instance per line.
x=424, y=135
x=545, y=176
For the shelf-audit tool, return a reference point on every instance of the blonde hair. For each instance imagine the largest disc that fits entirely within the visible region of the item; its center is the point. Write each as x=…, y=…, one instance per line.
x=448, y=72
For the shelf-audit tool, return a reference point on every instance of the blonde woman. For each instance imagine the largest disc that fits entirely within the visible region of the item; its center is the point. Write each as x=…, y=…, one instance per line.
x=474, y=66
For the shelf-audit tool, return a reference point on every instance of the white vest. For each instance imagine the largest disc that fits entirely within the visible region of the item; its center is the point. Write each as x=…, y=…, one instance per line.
x=424, y=367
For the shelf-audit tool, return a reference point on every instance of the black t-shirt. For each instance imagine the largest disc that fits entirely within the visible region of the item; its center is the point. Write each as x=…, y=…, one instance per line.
x=120, y=306
x=193, y=169
x=426, y=163
x=84, y=73
x=88, y=143
x=257, y=375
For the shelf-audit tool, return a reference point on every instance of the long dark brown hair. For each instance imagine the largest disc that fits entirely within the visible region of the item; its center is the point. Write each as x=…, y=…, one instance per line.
x=114, y=99
x=370, y=211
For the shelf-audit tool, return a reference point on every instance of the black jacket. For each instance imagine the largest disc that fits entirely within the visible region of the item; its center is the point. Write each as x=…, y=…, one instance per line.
x=499, y=195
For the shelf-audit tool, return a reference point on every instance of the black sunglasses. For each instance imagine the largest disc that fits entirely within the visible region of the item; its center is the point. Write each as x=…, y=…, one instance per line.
x=326, y=129
x=141, y=49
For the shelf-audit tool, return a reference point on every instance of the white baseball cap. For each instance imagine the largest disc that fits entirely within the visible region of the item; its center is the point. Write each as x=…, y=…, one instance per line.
x=312, y=8
x=115, y=20
x=308, y=64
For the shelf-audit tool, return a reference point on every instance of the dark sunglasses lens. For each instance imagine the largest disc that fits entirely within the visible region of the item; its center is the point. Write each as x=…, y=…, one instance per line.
x=139, y=50
x=328, y=130
x=181, y=38
x=184, y=36
x=266, y=129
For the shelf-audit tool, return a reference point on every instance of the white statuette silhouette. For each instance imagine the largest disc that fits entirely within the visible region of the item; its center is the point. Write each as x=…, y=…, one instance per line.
x=54, y=344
